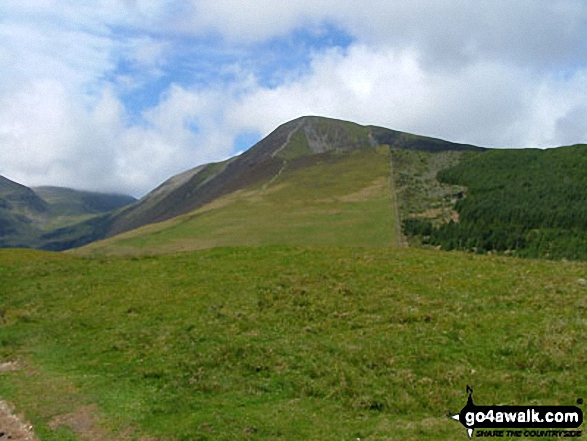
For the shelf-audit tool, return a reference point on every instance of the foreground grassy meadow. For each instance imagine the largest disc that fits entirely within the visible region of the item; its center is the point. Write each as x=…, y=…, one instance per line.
x=284, y=343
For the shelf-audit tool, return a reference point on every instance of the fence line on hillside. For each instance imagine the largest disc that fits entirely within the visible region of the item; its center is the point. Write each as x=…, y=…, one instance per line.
x=398, y=227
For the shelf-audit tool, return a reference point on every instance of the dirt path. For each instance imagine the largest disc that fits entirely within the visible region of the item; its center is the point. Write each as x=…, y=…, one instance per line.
x=13, y=427
x=84, y=421
x=287, y=140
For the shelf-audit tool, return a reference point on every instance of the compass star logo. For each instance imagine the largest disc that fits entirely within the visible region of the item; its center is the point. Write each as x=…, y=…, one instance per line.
x=470, y=406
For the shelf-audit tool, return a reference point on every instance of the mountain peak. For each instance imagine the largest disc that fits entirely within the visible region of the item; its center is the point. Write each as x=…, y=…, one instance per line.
x=309, y=135
x=297, y=144
x=18, y=198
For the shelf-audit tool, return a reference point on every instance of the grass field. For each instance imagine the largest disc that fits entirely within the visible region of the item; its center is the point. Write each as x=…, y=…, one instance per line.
x=284, y=343
x=336, y=200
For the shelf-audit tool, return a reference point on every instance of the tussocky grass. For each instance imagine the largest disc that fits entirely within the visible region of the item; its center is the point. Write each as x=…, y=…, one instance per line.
x=287, y=343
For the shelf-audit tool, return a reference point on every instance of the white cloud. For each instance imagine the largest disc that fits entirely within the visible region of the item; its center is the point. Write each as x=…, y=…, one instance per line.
x=534, y=32
x=392, y=89
x=485, y=103
x=49, y=137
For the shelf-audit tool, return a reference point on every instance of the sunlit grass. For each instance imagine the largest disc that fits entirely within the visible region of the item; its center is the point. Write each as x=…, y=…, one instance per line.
x=289, y=343
x=339, y=200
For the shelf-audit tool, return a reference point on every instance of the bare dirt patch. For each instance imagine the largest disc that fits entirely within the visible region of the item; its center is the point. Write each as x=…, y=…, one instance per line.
x=444, y=214
x=9, y=366
x=83, y=422
x=86, y=424
x=373, y=190
x=13, y=427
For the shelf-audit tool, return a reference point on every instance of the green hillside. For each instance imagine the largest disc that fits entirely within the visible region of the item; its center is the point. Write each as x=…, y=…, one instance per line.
x=325, y=199
x=284, y=343
x=282, y=150
x=527, y=202
x=295, y=144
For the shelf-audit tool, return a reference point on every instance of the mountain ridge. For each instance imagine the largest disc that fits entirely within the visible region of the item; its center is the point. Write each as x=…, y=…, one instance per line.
x=295, y=144
x=267, y=157
x=27, y=215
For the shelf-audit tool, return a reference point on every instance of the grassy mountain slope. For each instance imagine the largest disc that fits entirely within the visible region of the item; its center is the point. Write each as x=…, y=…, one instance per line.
x=302, y=143
x=19, y=198
x=322, y=199
x=285, y=343
x=302, y=137
x=407, y=141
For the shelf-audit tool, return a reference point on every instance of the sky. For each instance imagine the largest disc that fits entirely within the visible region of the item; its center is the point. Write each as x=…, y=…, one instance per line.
x=119, y=95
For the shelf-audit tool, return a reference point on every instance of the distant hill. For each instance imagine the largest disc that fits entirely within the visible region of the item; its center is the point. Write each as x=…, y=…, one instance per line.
x=19, y=205
x=66, y=201
x=19, y=198
x=28, y=215
x=317, y=181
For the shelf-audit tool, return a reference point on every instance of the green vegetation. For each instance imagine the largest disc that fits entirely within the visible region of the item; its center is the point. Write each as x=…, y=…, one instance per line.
x=531, y=203
x=135, y=215
x=318, y=327
x=335, y=199
x=338, y=134
x=18, y=204
x=419, y=193
x=407, y=141
x=289, y=147
x=298, y=146
x=286, y=343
